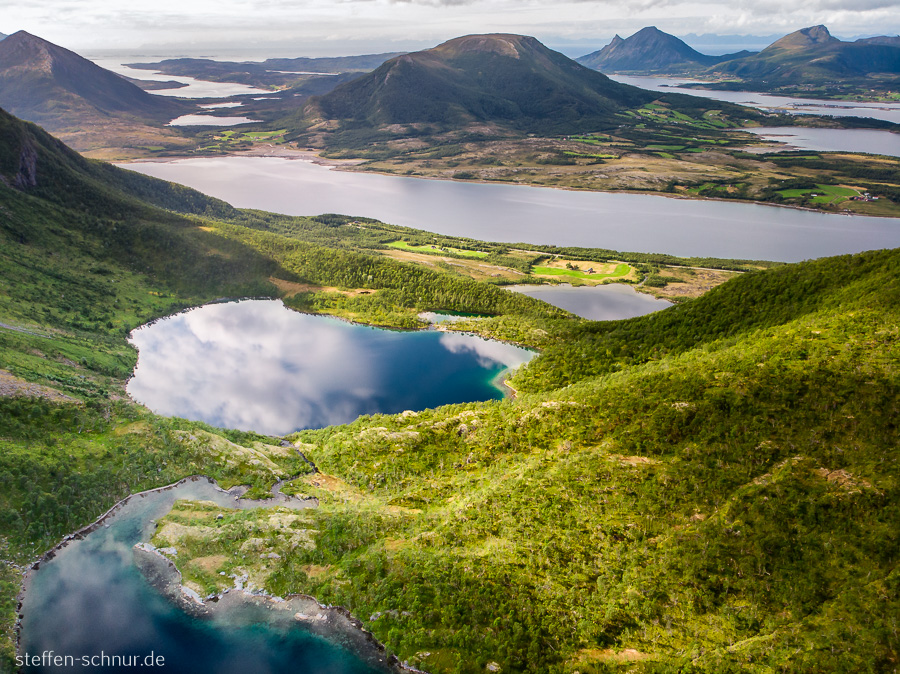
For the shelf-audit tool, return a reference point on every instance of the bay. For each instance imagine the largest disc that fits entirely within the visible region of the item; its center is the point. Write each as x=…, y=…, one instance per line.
x=832, y=140
x=889, y=112
x=91, y=600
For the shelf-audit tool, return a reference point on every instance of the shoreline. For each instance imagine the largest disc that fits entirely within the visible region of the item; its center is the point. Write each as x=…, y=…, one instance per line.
x=323, y=620
x=348, y=165
x=224, y=600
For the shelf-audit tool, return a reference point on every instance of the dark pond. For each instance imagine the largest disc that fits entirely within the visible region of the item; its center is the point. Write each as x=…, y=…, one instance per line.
x=255, y=365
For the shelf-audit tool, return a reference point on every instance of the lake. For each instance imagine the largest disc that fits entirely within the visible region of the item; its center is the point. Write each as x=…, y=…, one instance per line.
x=536, y=215
x=805, y=106
x=210, y=120
x=91, y=598
x=256, y=365
x=833, y=140
x=610, y=302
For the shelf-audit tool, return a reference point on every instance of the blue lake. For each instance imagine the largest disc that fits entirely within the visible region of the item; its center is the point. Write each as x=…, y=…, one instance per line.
x=256, y=365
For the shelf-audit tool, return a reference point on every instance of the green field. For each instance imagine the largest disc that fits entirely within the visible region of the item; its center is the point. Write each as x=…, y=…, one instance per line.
x=263, y=135
x=437, y=250
x=825, y=194
x=621, y=270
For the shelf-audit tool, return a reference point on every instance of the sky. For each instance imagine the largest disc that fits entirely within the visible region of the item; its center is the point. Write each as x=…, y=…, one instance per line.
x=342, y=27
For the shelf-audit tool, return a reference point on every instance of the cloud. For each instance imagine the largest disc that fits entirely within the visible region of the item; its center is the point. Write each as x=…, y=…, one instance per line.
x=306, y=26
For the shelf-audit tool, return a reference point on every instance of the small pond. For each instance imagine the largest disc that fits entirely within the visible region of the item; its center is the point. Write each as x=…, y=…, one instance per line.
x=256, y=365
x=610, y=302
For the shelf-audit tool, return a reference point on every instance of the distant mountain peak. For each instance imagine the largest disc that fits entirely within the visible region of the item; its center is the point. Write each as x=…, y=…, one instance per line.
x=814, y=56
x=504, y=44
x=649, y=49
x=805, y=37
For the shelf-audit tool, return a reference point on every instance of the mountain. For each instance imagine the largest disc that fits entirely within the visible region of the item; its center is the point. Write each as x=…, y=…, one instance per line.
x=508, y=81
x=814, y=56
x=44, y=83
x=3, y=36
x=650, y=50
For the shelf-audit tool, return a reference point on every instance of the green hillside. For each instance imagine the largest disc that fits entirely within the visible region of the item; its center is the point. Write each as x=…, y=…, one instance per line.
x=710, y=488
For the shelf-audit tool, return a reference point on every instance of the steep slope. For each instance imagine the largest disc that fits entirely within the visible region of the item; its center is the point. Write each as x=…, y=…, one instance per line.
x=506, y=80
x=58, y=89
x=812, y=55
x=650, y=50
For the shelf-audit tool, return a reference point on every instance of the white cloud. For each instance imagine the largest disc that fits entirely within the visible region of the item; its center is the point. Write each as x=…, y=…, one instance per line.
x=311, y=26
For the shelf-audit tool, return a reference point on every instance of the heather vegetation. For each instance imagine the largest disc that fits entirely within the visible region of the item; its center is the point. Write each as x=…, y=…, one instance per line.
x=710, y=488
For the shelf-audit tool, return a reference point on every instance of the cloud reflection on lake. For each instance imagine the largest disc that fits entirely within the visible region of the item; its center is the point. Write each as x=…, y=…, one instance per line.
x=255, y=365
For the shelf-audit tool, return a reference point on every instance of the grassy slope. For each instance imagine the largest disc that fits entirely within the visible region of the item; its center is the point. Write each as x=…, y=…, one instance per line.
x=730, y=506
x=714, y=487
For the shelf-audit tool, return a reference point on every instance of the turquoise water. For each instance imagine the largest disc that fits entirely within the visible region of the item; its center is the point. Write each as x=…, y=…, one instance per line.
x=91, y=600
x=255, y=365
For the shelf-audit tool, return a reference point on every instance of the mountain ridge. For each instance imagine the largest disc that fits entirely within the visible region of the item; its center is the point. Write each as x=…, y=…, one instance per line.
x=812, y=55
x=650, y=50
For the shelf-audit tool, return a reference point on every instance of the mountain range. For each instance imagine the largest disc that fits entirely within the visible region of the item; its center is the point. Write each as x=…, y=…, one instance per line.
x=650, y=50
x=506, y=80
x=810, y=56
